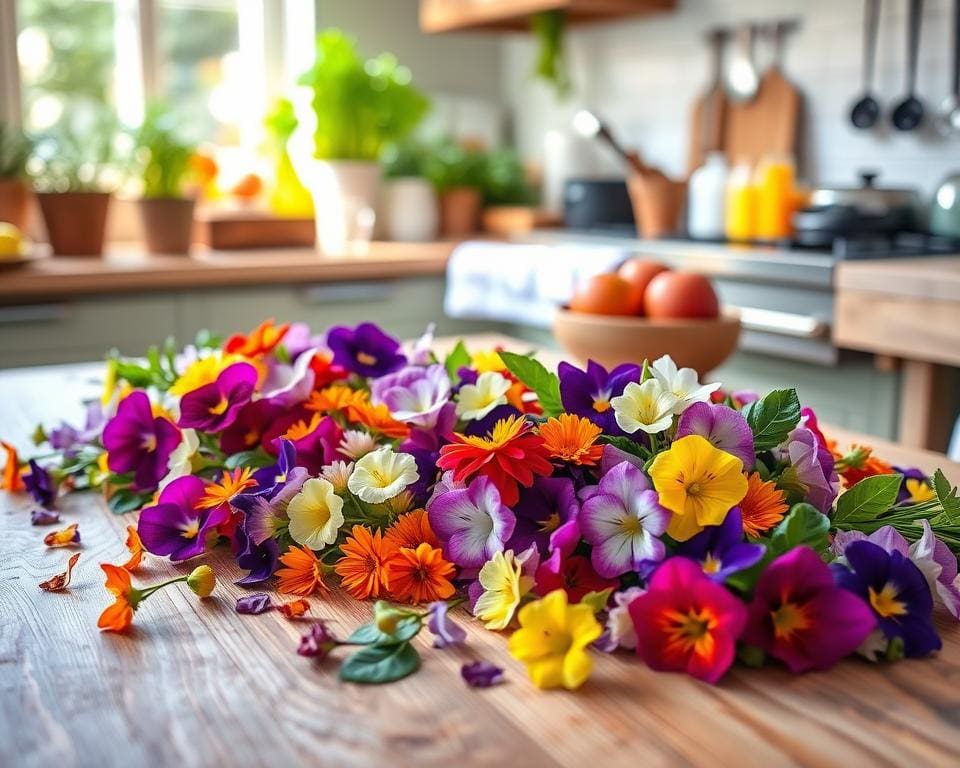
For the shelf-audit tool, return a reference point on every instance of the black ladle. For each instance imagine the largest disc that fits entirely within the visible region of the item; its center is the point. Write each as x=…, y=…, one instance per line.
x=909, y=113
x=866, y=111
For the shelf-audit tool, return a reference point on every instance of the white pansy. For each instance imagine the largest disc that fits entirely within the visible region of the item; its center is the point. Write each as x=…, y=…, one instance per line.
x=180, y=462
x=477, y=400
x=647, y=406
x=382, y=474
x=682, y=383
x=356, y=443
x=316, y=514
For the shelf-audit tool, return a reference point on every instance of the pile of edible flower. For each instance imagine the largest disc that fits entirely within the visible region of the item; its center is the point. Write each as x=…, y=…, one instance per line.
x=582, y=511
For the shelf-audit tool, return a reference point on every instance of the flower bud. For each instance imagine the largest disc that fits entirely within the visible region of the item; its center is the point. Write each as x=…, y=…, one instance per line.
x=202, y=580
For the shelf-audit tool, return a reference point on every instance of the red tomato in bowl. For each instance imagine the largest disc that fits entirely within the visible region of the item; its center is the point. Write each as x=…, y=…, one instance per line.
x=607, y=294
x=676, y=295
x=639, y=272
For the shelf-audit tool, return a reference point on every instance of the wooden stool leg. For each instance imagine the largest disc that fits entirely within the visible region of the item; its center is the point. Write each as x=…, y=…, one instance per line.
x=924, y=420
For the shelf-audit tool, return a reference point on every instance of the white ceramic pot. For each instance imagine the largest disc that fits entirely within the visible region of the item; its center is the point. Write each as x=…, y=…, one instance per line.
x=345, y=196
x=409, y=210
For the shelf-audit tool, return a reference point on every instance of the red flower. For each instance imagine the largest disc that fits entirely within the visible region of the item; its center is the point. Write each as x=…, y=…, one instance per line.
x=574, y=575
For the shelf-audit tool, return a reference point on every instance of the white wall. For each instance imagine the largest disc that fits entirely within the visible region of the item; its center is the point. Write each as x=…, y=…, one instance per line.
x=645, y=74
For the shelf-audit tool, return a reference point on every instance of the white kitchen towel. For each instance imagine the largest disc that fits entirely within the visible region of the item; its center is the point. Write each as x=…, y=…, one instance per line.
x=520, y=282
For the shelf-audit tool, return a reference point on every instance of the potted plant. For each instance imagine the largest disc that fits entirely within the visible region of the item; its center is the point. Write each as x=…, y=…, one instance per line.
x=71, y=179
x=410, y=211
x=509, y=197
x=15, y=150
x=457, y=173
x=165, y=209
x=357, y=108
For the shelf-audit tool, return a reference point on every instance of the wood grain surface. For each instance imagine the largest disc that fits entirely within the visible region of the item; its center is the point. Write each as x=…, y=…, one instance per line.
x=195, y=684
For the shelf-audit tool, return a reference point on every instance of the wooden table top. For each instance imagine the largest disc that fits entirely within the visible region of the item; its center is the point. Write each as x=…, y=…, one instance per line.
x=196, y=684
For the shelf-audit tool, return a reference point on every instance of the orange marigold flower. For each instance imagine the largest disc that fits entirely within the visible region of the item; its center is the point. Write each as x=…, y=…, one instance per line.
x=119, y=616
x=135, y=546
x=302, y=428
x=261, y=340
x=420, y=575
x=303, y=574
x=510, y=456
x=860, y=463
x=411, y=530
x=295, y=609
x=363, y=567
x=12, y=479
x=377, y=419
x=763, y=507
x=572, y=438
x=334, y=398
x=231, y=483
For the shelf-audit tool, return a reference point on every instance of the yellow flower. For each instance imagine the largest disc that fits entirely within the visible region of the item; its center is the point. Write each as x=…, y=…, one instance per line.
x=202, y=580
x=699, y=483
x=647, y=406
x=487, y=360
x=504, y=584
x=477, y=400
x=552, y=641
x=203, y=371
x=919, y=491
x=109, y=383
x=316, y=514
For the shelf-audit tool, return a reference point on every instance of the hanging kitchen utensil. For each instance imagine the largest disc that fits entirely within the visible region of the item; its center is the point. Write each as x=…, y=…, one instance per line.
x=709, y=111
x=588, y=125
x=866, y=111
x=742, y=78
x=908, y=115
x=948, y=116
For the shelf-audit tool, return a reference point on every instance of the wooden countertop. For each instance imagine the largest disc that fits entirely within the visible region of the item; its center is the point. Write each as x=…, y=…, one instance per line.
x=197, y=684
x=934, y=278
x=128, y=269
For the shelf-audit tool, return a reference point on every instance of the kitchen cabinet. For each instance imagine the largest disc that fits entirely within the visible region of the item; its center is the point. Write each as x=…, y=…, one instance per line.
x=460, y=15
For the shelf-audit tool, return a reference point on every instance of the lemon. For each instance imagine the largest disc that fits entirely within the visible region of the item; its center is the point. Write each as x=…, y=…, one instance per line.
x=11, y=240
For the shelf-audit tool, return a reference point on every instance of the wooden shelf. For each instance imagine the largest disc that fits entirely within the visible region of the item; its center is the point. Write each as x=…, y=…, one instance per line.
x=493, y=15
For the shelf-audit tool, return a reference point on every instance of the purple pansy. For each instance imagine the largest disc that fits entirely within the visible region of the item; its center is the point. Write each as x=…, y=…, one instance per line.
x=445, y=631
x=472, y=523
x=68, y=439
x=44, y=517
x=612, y=456
x=299, y=339
x=726, y=428
x=40, y=485
x=258, y=602
x=812, y=465
x=897, y=592
x=414, y=395
x=622, y=522
x=542, y=509
x=215, y=406
x=138, y=442
x=481, y=674
x=287, y=385
x=260, y=560
x=909, y=473
x=248, y=429
x=317, y=642
x=264, y=518
x=272, y=478
x=588, y=393
x=365, y=350
x=173, y=526
x=721, y=550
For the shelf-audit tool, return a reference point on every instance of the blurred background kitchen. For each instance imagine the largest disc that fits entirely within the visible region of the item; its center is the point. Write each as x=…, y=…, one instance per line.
x=168, y=166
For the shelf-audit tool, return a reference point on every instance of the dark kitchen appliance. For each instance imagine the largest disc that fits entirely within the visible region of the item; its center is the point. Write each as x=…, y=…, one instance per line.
x=598, y=204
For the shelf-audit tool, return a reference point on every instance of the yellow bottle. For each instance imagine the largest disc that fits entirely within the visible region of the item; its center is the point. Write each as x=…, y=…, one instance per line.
x=741, y=205
x=775, y=199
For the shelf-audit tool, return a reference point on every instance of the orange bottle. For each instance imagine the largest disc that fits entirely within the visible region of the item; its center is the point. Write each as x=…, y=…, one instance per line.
x=775, y=199
x=741, y=205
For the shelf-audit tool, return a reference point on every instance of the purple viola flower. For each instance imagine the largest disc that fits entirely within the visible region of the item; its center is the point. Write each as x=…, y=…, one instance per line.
x=414, y=395
x=726, y=428
x=138, y=442
x=472, y=523
x=622, y=522
x=365, y=350
x=40, y=485
x=446, y=632
x=44, y=517
x=68, y=439
x=289, y=385
x=812, y=465
x=260, y=560
x=258, y=602
x=317, y=642
x=612, y=456
x=265, y=518
x=270, y=479
x=484, y=426
x=249, y=427
x=481, y=674
x=435, y=437
x=896, y=590
x=721, y=550
x=317, y=444
x=215, y=406
x=174, y=527
x=909, y=473
x=588, y=393
x=299, y=339
x=542, y=509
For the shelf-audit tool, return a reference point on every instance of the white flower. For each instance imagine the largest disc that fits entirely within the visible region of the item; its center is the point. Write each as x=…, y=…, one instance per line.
x=180, y=462
x=356, y=443
x=683, y=383
x=477, y=400
x=316, y=514
x=619, y=624
x=647, y=406
x=338, y=473
x=382, y=474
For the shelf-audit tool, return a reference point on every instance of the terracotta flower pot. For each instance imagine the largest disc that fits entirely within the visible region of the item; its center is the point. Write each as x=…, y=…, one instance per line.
x=167, y=224
x=460, y=211
x=14, y=197
x=76, y=221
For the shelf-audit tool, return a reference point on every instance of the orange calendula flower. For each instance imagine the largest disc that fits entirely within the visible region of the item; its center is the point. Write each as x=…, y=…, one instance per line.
x=336, y=397
x=302, y=428
x=260, y=341
x=60, y=582
x=119, y=616
x=12, y=479
x=363, y=567
x=763, y=507
x=67, y=537
x=420, y=575
x=303, y=574
x=135, y=546
x=860, y=463
x=572, y=438
x=377, y=419
x=295, y=609
x=411, y=530
x=231, y=483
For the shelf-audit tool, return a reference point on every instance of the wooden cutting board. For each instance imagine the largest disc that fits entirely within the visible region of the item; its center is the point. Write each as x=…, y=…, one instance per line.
x=707, y=125
x=768, y=125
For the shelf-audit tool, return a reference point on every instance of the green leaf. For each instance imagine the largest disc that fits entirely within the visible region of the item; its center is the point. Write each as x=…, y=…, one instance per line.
x=457, y=359
x=626, y=445
x=255, y=459
x=867, y=500
x=125, y=500
x=370, y=634
x=947, y=496
x=772, y=418
x=283, y=356
x=805, y=525
x=597, y=600
x=532, y=373
x=136, y=375
x=376, y=664
x=365, y=634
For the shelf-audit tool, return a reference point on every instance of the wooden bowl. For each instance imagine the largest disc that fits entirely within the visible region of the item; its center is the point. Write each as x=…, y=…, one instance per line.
x=701, y=344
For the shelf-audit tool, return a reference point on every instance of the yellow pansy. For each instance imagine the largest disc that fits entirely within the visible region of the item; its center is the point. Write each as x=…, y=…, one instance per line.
x=504, y=584
x=487, y=360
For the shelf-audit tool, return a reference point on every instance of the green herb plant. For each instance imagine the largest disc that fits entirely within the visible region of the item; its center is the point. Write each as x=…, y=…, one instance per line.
x=15, y=149
x=74, y=157
x=549, y=29
x=163, y=157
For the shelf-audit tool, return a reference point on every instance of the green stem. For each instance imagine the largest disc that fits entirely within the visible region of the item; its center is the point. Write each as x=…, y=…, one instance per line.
x=145, y=593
